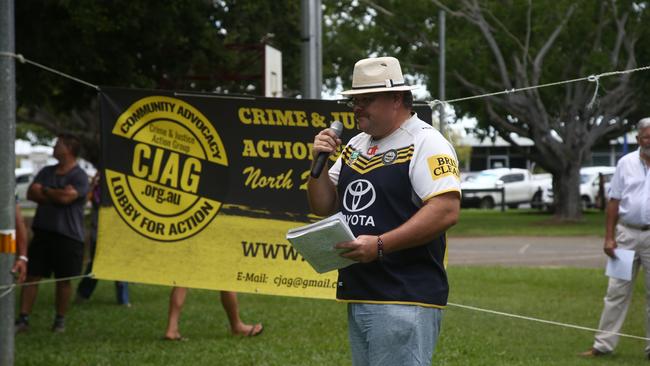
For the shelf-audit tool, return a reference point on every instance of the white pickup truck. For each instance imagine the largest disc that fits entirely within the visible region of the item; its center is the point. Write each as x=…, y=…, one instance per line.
x=519, y=187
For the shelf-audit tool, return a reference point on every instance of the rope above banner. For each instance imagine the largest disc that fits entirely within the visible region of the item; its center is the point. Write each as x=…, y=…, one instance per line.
x=24, y=60
x=594, y=78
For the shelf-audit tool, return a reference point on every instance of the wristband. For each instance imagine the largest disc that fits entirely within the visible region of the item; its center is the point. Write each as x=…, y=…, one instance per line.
x=23, y=258
x=380, y=248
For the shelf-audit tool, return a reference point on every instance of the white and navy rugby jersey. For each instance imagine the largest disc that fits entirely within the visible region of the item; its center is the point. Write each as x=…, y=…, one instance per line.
x=381, y=184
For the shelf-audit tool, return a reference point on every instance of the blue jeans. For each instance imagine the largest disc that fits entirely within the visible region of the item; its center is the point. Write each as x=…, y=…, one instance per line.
x=392, y=334
x=87, y=287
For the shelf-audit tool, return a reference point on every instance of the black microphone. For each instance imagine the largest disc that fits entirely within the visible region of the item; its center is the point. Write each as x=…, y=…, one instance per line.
x=337, y=127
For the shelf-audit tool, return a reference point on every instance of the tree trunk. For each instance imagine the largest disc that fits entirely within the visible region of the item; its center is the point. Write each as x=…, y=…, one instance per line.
x=566, y=191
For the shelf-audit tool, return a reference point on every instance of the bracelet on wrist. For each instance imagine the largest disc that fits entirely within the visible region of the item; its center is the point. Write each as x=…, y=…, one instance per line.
x=23, y=258
x=380, y=248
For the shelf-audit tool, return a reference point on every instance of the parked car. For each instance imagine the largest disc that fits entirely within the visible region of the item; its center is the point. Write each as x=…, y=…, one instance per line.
x=589, y=183
x=518, y=184
x=589, y=186
x=24, y=177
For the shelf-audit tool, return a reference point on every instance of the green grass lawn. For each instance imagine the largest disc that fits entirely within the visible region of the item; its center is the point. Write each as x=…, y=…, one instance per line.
x=314, y=332
x=474, y=222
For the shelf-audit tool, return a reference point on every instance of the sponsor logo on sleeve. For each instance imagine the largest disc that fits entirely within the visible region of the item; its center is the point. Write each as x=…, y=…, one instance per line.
x=441, y=166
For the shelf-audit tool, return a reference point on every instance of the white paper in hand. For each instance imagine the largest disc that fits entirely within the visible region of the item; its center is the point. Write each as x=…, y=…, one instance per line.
x=621, y=267
x=315, y=242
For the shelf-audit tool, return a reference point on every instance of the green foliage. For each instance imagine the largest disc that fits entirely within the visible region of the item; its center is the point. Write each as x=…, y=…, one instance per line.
x=494, y=46
x=408, y=30
x=356, y=30
x=181, y=44
x=463, y=152
x=34, y=133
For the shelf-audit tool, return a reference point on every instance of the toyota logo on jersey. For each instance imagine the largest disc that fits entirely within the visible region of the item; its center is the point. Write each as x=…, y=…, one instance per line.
x=359, y=195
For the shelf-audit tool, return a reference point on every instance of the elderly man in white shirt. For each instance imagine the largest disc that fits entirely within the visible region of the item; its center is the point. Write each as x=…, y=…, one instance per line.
x=628, y=217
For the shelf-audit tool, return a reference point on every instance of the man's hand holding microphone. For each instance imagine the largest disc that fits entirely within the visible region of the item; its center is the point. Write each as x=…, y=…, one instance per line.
x=325, y=143
x=322, y=195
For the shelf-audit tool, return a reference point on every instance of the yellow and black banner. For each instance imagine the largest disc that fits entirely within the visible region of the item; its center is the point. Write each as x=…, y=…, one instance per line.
x=199, y=189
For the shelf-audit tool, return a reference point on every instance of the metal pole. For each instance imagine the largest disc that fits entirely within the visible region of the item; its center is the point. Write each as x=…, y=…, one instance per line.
x=318, y=40
x=441, y=70
x=311, y=48
x=306, y=36
x=7, y=179
x=503, y=199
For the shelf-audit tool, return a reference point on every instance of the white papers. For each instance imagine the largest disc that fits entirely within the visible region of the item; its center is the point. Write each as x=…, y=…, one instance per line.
x=315, y=242
x=621, y=266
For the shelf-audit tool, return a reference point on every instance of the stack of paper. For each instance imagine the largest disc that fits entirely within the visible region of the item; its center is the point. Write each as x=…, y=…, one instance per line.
x=315, y=242
x=621, y=266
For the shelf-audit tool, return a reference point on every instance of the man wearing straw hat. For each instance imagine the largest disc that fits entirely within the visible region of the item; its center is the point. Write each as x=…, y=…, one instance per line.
x=398, y=184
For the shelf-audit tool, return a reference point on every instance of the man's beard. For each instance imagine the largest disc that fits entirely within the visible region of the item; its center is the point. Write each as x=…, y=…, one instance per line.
x=369, y=122
x=646, y=151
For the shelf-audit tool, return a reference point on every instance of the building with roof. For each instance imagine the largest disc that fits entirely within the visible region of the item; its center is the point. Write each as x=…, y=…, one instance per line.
x=491, y=153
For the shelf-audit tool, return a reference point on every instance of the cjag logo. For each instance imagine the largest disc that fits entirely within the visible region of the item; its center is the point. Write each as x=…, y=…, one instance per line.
x=359, y=195
x=161, y=190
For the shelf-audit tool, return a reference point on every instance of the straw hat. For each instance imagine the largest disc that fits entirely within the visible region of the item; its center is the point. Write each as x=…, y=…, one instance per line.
x=375, y=75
